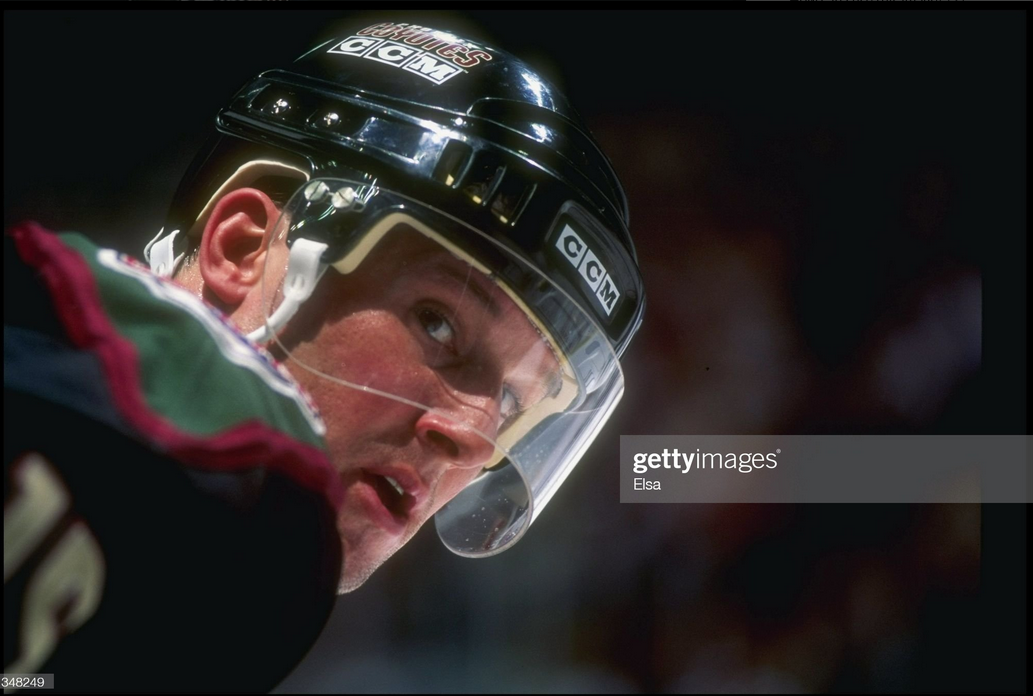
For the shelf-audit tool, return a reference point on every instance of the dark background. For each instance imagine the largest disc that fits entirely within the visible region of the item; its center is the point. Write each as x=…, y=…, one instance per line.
x=829, y=210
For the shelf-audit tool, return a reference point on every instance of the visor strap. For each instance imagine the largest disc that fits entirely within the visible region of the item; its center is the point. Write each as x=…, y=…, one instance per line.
x=304, y=269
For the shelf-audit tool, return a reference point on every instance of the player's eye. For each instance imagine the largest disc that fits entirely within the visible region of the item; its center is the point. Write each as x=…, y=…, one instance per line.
x=441, y=331
x=437, y=327
x=511, y=406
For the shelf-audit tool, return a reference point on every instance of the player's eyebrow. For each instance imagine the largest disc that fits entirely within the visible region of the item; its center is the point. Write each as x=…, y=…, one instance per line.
x=469, y=280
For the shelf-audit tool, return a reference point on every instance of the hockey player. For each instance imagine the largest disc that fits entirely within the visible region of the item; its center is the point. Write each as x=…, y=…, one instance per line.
x=394, y=285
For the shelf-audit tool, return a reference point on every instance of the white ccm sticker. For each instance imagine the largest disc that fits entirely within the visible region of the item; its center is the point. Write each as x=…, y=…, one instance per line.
x=432, y=55
x=574, y=250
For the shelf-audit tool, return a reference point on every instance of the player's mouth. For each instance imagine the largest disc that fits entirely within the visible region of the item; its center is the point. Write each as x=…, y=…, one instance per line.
x=390, y=495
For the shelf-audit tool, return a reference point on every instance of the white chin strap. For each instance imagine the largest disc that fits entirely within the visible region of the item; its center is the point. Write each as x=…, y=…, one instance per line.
x=304, y=269
x=158, y=253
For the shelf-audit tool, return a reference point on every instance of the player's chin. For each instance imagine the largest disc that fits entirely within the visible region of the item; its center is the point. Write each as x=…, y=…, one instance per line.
x=350, y=584
x=367, y=545
x=365, y=548
x=360, y=562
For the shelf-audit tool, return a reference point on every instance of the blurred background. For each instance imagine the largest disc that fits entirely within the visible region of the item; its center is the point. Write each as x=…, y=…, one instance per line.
x=829, y=210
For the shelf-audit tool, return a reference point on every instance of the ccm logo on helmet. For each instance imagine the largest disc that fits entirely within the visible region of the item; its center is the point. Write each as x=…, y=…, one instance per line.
x=418, y=50
x=574, y=250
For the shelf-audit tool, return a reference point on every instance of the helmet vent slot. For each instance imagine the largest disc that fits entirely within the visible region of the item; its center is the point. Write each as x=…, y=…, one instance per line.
x=511, y=198
x=453, y=161
x=483, y=177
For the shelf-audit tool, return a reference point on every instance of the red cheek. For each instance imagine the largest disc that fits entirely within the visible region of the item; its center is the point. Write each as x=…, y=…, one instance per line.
x=371, y=348
x=374, y=349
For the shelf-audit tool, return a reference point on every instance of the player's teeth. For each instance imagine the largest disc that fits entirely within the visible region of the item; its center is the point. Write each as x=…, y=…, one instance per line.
x=395, y=485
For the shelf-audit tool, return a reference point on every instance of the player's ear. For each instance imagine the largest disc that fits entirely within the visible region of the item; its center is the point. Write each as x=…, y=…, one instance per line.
x=231, y=254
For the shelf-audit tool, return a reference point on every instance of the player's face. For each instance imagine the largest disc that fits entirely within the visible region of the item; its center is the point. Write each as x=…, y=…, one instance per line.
x=414, y=321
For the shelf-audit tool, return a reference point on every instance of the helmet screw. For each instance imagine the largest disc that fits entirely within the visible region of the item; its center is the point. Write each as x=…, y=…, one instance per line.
x=343, y=198
x=316, y=191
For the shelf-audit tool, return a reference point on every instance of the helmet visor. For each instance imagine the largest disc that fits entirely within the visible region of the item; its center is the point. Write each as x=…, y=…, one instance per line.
x=441, y=349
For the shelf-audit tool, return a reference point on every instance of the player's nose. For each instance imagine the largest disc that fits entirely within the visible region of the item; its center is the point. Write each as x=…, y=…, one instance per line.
x=461, y=441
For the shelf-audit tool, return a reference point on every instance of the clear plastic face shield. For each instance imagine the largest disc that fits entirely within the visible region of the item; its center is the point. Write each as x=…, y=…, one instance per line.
x=453, y=375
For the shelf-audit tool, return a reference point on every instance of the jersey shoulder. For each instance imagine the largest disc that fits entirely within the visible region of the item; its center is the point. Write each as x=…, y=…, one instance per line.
x=191, y=367
x=174, y=374
x=185, y=345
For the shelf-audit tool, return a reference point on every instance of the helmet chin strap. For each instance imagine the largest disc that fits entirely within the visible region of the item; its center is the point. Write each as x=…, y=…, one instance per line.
x=304, y=269
x=159, y=254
